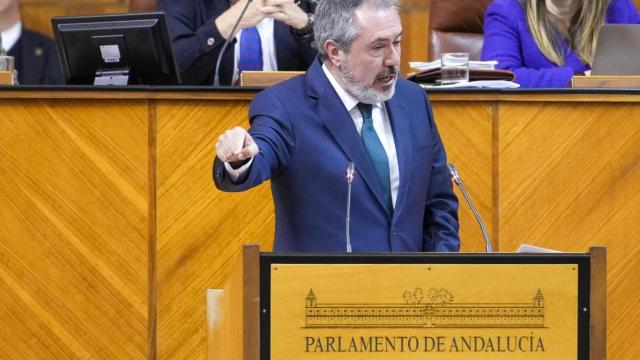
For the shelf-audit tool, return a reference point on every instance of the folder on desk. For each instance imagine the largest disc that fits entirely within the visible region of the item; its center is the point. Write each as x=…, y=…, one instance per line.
x=433, y=75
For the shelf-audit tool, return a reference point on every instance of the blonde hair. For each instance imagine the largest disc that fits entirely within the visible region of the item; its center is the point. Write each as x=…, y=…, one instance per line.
x=582, y=35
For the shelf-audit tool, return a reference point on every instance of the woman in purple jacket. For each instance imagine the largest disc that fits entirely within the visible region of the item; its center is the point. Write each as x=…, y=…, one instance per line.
x=546, y=42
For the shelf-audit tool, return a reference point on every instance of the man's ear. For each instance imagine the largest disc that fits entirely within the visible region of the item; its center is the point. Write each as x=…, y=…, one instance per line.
x=333, y=51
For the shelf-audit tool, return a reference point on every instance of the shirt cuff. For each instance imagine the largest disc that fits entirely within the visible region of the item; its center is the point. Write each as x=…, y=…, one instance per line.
x=235, y=174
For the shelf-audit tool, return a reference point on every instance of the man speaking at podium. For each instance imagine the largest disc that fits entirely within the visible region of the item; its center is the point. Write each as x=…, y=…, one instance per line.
x=350, y=107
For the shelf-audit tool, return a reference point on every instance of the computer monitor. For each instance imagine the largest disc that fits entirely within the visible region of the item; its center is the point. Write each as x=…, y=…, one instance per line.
x=617, y=46
x=116, y=49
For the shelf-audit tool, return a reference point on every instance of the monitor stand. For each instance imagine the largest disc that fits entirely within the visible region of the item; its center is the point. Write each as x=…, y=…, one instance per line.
x=112, y=77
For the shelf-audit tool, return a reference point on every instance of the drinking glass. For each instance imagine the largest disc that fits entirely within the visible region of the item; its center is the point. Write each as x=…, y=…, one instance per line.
x=6, y=63
x=8, y=73
x=455, y=68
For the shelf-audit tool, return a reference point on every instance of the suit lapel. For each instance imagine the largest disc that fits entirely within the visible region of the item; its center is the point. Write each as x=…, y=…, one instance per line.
x=399, y=117
x=337, y=119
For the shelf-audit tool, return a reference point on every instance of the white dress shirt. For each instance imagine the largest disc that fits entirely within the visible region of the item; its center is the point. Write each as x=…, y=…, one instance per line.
x=381, y=124
x=11, y=36
x=267, y=42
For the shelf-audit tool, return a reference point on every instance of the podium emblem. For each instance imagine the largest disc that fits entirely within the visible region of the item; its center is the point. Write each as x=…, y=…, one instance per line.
x=435, y=310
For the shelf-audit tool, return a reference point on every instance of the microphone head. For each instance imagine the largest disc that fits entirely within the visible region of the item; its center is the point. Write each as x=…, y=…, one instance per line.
x=453, y=173
x=350, y=172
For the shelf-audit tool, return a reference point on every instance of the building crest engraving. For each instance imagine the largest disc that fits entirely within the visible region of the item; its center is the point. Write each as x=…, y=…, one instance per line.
x=435, y=308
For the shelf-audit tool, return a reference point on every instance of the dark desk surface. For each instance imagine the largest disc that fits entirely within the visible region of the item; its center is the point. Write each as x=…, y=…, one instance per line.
x=248, y=93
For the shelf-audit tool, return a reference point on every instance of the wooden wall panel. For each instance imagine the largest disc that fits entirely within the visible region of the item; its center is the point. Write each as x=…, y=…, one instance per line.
x=569, y=178
x=200, y=229
x=77, y=221
x=415, y=40
x=37, y=14
x=73, y=239
x=467, y=132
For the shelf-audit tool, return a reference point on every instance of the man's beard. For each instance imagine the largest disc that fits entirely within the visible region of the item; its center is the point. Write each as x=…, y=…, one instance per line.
x=365, y=93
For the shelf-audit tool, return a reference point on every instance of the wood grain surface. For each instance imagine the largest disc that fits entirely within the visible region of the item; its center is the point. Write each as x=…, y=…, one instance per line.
x=108, y=243
x=467, y=132
x=569, y=178
x=73, y=245
x=200, y=229
x=379, y=288
x=37, y=14
x=112, y=229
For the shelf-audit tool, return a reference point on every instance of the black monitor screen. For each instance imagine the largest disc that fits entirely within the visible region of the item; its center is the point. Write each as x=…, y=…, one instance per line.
x=116, y=49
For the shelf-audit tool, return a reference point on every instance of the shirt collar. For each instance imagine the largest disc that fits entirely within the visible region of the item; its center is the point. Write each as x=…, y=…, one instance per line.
x=347, y=99
x=11, y=35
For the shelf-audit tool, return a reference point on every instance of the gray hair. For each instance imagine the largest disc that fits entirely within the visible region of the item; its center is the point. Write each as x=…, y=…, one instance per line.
x=334, y=20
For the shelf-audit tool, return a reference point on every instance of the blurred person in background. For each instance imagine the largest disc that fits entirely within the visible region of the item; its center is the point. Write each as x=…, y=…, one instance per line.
x=272, y=35
x=546, y=42
x=36, y=58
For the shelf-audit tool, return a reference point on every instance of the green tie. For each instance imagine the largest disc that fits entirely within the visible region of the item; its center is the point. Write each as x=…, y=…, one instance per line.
x=376, y=152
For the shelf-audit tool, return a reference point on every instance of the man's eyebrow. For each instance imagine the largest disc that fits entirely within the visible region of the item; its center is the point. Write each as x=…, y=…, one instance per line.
x=385, y=39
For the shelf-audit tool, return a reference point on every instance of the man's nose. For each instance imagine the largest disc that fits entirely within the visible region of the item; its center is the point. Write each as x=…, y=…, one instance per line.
x=392, y=56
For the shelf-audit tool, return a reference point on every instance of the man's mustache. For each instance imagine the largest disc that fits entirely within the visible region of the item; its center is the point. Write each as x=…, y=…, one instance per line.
x=390, y=71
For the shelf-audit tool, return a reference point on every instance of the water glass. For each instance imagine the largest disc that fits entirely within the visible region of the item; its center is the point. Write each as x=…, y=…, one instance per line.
x=455, y=68
x=7, y=63
x=7, y=71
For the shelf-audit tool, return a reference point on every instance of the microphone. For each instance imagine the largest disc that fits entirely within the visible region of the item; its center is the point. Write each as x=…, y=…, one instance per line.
x=455, y=177
x=216, y=74
x=350, y=175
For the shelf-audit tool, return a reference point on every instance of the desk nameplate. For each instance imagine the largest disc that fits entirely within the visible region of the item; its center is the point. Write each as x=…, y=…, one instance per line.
x=409, y=311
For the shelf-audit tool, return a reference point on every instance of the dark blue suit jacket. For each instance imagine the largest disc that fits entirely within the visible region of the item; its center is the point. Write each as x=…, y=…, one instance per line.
x=36, y=60
x=191, y=23
x=307, y=138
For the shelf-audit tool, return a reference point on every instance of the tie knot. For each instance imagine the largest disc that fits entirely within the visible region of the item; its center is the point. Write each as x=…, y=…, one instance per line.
x=365, y=110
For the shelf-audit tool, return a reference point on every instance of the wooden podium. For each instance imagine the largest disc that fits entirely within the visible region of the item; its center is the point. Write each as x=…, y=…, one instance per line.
x=408, y=306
